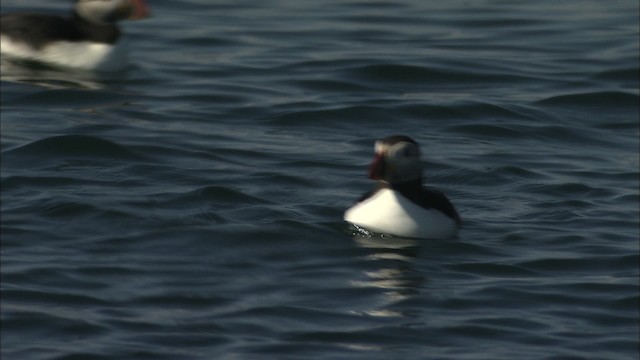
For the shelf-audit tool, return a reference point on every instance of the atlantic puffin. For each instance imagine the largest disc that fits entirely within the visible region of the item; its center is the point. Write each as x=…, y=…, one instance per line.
x=400, y=205
x=89, y=39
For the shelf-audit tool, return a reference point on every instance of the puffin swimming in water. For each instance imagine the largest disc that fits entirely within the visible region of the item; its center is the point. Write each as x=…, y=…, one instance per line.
x=400, y=205
x=89, y=39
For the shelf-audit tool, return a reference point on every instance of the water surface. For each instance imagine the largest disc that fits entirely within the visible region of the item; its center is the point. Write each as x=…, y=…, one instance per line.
x=191, y=207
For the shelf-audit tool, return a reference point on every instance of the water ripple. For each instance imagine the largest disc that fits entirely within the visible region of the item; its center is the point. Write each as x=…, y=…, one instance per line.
x=191, y=207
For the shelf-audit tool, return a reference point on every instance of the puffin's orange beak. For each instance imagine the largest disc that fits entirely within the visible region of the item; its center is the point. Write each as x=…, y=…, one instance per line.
x=139, y=10
x=376, y=169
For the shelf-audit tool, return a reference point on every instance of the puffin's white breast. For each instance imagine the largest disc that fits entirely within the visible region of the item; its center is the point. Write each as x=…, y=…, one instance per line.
x=388, y=212
x=80, y=55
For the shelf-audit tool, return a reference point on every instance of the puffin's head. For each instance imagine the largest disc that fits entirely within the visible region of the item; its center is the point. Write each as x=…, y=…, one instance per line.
x=110, y=11
x=397, y=160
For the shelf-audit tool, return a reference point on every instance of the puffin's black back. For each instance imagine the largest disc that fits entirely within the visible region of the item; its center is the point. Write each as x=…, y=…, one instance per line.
x=431, y=198
x=40, y=29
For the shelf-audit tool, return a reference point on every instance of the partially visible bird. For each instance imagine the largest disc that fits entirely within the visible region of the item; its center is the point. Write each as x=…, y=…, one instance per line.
x=89, y=39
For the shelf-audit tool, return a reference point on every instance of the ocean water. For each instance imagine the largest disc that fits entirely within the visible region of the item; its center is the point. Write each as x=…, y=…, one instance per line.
x=191, y=207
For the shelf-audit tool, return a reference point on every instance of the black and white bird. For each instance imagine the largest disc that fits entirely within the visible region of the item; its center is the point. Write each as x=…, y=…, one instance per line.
x=89, y=39
x=400, y=205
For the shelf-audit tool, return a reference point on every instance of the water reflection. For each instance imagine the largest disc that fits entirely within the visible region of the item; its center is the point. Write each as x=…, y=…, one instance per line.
x=53, y=78
x=392, y=270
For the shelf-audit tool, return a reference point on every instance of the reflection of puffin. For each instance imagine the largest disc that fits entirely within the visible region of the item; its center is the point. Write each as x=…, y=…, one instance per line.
x=400, y=205
x=88, y=40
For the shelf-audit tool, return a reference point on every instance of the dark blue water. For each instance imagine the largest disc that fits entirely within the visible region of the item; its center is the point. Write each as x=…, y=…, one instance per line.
x=191, y=207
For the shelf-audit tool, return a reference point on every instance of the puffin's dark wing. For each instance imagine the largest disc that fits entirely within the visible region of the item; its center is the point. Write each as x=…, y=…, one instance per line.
x=431, y=198
x=367, y=195
x=38, y=29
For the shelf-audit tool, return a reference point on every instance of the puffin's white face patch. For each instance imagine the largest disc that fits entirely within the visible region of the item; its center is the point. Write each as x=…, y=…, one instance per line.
x=98, y=11
x=403, y=152
x=401, y=161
